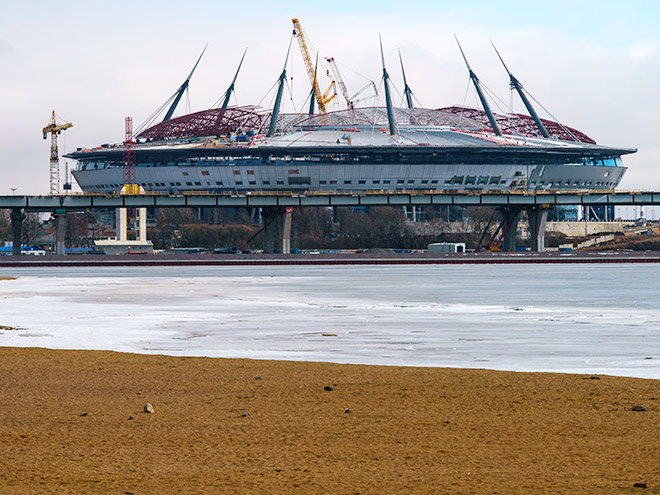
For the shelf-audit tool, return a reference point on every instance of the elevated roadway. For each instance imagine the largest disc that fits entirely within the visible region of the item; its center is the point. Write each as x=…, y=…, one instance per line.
x=277, y=206
x=515, y=199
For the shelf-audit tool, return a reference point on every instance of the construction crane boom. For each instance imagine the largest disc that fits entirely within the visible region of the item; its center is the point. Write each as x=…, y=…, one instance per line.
x=340, y=81
x=350, y=100
x=321, y=98
x=53, y=128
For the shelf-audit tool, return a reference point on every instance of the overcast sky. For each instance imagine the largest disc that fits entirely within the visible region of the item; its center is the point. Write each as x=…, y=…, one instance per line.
x=595, y=65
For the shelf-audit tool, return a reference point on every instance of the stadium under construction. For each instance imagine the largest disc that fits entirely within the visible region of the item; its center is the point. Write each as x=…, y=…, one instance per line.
x=245, y=149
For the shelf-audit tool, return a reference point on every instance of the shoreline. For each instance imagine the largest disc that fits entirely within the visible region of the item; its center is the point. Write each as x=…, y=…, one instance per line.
x=246, y=426
x=367, y=258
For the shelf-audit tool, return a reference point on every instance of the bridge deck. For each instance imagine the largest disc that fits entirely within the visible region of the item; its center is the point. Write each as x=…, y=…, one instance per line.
x=376, y=198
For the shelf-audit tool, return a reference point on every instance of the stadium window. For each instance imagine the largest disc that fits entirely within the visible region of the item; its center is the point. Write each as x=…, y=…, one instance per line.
x=205, y=172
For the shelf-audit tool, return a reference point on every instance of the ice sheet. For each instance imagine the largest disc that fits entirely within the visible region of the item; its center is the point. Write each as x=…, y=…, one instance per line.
x=565, y=318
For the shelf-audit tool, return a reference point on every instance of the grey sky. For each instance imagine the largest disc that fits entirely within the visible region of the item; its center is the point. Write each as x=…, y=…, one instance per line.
x=594, y=65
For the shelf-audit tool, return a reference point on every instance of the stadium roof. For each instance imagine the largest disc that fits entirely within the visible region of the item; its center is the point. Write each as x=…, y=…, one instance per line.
x=219, y=122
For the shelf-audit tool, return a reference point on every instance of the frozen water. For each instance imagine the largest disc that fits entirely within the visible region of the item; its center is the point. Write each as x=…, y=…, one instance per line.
x=602, y=318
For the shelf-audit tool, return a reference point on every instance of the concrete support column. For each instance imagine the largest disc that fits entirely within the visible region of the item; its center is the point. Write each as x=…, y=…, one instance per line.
x=142, y=222
x=511, y=219
x=537, y=221
x=60, y=233
x=277, y=230
x=121, y=218
x=17, y=231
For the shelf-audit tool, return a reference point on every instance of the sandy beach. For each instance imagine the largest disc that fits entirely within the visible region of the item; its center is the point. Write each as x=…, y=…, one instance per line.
x=73, y=422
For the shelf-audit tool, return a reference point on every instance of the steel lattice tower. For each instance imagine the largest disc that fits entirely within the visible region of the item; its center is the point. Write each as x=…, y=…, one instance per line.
x=129, y=155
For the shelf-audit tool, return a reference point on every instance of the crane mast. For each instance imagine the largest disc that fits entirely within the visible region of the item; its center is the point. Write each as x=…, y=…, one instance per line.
x=321, y=98
x=54, y=129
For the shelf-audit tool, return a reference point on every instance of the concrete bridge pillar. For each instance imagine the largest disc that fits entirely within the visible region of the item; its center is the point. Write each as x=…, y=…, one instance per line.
x=537, y=221
x=511, y=219
x=60, y=232
x=277, y=230
x=17, y=217
x=121, y=220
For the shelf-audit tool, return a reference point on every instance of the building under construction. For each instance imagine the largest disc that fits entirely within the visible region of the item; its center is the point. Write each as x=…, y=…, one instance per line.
x=246, y=148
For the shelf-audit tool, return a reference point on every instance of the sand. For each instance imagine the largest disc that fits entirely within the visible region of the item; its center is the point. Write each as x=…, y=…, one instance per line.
x=246, y=426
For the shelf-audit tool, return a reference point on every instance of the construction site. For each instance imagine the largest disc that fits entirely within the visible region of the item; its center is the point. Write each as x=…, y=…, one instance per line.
x=414, y=174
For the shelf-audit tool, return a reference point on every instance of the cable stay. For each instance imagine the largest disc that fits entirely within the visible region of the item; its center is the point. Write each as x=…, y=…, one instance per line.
x=555, y=119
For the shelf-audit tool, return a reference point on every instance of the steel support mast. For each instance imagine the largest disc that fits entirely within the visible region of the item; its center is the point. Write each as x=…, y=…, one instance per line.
x=515, y=84
x=407, y=92
x=480, y=93
x=230, y=90
x=278, y=99
x=388, y=98
x=182, y=89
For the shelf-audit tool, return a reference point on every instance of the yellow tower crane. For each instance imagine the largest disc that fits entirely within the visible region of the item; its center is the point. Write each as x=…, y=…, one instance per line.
x=321, y=98
x=54, y=129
